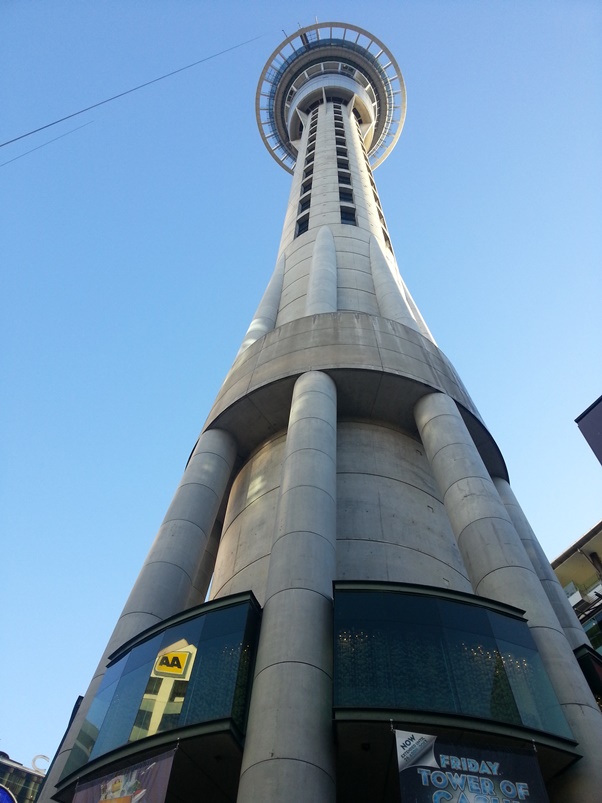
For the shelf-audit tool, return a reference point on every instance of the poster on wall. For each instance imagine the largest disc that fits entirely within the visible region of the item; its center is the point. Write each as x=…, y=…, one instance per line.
x=432, y=770
x=145, y=782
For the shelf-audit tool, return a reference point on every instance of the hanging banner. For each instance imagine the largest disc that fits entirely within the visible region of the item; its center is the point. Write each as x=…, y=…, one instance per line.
x=145, y=782
x=432, y=770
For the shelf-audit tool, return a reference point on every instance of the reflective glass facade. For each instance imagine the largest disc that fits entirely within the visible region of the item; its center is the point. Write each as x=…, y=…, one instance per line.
x=193, y=671
x=409, y=651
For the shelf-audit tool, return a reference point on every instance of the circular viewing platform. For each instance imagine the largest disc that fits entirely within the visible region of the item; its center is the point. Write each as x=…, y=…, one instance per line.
x=330, y=58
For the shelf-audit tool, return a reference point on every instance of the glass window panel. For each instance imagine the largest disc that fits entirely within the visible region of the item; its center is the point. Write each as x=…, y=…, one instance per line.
x=189, y=632
x=480, y=681
x=120, y=718
x=142, y=654
x=413, y=608
x=86, y=738
x=510, y=629
x=213, y=679
x=459, y=616
x=392, y=650
x=140, y=696
x=537, y=701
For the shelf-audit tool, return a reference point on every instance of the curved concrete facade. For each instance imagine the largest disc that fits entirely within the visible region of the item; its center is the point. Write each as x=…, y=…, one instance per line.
x=342, y=446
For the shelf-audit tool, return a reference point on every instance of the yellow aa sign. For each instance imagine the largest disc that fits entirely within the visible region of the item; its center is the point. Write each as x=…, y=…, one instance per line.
x=172, y=664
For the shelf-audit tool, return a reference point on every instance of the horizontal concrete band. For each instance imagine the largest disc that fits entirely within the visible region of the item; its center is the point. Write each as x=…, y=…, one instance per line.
x=336, y=340
x=380, y=367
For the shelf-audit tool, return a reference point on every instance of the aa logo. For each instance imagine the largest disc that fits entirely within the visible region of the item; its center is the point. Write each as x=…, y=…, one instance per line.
x=172, y=664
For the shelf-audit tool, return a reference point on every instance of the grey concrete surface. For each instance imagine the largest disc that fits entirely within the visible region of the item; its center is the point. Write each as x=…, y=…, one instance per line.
x=292, y=688
x=499, y=568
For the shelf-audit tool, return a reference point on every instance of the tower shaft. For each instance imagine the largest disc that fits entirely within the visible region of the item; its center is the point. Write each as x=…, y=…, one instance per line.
x=344, y=479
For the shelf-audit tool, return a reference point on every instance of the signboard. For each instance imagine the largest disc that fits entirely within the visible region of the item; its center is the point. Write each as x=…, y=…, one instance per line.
x=175, y=661
x=6, y=796
x=172, y=664
x=145, y=782
x=432, y=770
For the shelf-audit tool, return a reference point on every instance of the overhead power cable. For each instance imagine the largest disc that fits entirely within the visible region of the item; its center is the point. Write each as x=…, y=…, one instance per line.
x=129, y=91
x=43, y=145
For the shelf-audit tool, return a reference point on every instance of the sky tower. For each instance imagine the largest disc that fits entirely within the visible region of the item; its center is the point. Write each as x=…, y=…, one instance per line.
x=373, y=582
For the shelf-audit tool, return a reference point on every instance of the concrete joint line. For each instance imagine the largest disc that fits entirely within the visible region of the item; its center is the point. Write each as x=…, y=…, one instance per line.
x=297, y=663
x=301, y=533
x=289, y=758
x=558, y=630
x=287, y=590
x=304, y=418
x=213, y=454
x=145, y=613
x=469, y=445
x=570, y=706
x=249, y=504
x=302, y=485
x=194, y=524
x=404, y=546
x=168, y=563
x=393, y=479
x=200, y=484
x=309, y=449
x=484, y=518
x=505, y=568
x=439, y=415
x=475, y=477
x=246, y=566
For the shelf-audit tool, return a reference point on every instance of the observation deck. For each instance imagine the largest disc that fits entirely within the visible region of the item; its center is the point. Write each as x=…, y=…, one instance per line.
x=325, y=61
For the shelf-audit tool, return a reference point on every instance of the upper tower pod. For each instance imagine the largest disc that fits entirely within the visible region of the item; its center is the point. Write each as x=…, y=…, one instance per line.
x=327, y=61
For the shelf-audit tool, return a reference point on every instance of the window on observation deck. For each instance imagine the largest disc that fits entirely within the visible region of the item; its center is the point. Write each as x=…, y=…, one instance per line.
x=302, y=225
x=304, y=203
x=348, y=215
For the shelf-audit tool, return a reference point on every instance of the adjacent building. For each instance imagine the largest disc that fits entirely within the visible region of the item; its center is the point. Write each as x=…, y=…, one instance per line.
x=19, y=784
x=349, y=519
x=579, y=571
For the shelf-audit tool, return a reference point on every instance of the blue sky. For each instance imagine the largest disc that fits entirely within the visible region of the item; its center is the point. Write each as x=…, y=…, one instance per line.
x=135, y=250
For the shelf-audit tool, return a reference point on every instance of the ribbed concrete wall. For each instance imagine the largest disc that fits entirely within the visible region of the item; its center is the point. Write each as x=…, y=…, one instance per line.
x=391, y=521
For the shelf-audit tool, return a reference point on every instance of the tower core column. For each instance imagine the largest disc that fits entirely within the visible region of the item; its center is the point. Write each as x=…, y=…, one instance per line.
x=292, y=758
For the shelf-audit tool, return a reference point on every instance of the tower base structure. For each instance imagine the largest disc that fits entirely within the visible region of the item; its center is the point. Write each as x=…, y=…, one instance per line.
x=375, y=586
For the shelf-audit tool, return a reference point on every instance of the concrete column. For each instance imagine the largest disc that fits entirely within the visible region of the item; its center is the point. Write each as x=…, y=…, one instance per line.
x=555, y=593
x=499, y=568
x=267, y=311
x=416, y=313
x=177, y=570
x=289, y=749
x=389, y=294
x=165, y=584
x=322, y=284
